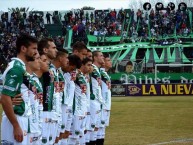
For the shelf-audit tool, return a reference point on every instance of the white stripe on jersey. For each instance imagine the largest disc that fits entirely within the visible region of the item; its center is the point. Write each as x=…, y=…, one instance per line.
x=80, y=100
x=70, y=88
x=106, y=94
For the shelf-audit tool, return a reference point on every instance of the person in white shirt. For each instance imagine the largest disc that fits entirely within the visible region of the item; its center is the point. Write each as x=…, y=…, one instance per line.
x=86, y=69
x=106, y=94
x=96, y=95
x=47, y=46
x=57, y=63
x=67, y=101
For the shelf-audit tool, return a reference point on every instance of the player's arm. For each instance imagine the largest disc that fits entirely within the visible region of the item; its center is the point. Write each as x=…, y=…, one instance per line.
x=17, y=100
x=12, y=82
x=71, y=89
x=8, y=109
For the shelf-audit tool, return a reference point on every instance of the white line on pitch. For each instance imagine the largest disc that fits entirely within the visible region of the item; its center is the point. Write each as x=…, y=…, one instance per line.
x=174, y=141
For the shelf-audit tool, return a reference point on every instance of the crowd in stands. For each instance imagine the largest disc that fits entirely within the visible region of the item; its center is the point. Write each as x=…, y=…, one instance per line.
x=143, y=25
x=18, y=23
x=133, y=26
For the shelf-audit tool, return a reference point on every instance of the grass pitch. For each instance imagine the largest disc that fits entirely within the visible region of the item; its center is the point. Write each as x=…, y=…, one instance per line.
x=150, y=120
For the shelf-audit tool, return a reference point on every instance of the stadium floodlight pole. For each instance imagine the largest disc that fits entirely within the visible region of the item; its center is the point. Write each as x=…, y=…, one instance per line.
x=170, y=65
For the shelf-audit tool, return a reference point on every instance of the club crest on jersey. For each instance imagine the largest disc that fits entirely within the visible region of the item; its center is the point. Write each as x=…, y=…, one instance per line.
x=11, y=81
x=34, y=90
x=83, y=88
x=24, y=133
x=99, y=81
x=56, y=86
x=40, y=97
x=61, y=85
x=73, y=75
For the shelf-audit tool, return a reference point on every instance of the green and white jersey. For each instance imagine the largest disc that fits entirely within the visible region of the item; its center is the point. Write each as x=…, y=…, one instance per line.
x=47, y=81
x=96, y=95
x=35, y=104
x=87, y=77
x=106, y=89
x=16, y=81
x=57, y=99
x=80, y=99
x=70, y=88
x=62, y=84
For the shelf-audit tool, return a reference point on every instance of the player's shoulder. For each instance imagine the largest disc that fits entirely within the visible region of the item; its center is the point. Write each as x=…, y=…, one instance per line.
x=14, y=68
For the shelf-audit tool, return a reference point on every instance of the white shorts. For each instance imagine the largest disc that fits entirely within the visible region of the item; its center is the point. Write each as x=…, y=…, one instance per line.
x=7, y=136
x=33, y=139
x=93, y=136
x=54, y=127
x=77, y=129
x=108, y=118
x=46, y=122
x=101, y=133
x=87, y=136
x=69, y=119
x=94, y=119
x=64, y=117
x=88, y=121
x=82, y=140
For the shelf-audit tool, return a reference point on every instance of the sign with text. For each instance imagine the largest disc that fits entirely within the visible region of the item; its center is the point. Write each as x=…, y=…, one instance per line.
x=159, y=89
x=118, y=90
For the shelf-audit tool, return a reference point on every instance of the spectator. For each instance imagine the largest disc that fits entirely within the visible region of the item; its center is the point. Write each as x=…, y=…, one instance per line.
x=48, y=17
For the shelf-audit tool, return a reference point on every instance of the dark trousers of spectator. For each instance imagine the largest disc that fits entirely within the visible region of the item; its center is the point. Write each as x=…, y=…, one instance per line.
x=91, y=19
x=87, y=20
x=48, y=21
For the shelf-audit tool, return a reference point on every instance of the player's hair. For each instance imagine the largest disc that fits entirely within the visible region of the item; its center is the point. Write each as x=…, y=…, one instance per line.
x=86, y=60
x=41, y=53
x=129, y=63
x=61, y=52
x=74, y=60
x=95, y=53
x=88, y=50
x=43, y=43
x=24, y=40
x=79, y=46
x=106, y=55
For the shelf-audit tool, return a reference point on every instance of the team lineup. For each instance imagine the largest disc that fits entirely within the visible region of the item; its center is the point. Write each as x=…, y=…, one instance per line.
x=52, y=97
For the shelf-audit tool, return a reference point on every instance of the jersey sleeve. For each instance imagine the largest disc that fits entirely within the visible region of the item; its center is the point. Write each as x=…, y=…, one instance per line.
x=12, y=82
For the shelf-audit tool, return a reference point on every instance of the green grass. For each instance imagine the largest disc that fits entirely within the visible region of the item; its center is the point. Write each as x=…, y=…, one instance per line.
x=150, y=120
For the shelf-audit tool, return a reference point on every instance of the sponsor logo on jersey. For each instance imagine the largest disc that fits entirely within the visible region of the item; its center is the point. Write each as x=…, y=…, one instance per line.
x=8, y=88
x=13, y=76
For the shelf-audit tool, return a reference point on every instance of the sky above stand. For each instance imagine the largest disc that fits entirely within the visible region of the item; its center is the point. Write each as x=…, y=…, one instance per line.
x=50, y=5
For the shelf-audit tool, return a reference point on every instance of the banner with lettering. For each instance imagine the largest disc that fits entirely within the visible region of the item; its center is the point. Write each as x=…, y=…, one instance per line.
x=159, y=89
x=118, y=90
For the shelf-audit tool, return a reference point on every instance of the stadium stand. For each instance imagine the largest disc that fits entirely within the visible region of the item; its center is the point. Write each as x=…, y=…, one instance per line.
x=106, y=30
